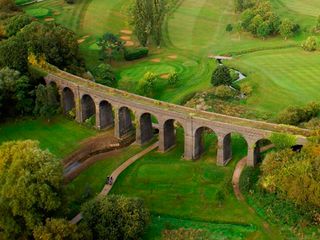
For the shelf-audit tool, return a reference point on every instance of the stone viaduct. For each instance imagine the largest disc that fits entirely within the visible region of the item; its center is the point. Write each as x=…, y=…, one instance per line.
x=127, y=112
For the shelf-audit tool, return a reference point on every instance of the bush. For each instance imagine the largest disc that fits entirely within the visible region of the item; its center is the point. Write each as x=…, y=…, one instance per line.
x=147, y=84
x=246, y=89
x=221, y=76
x=224, y=92
x=282, y=141
x=135, y=53
x=104, y=75
x=70, y=1
x=173, y=79
x=91, y=121
x=234, y=75
x=310, y=44
x=115, y=217
x=185, y=234
x=38, y=12
x=296, y=115
x=229, y=28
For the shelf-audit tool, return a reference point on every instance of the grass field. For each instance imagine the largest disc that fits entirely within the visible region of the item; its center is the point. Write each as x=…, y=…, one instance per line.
x=193, y=31
x=61, y=136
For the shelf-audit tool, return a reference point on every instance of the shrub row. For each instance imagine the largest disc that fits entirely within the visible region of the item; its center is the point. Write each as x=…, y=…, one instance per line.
x=135, y=53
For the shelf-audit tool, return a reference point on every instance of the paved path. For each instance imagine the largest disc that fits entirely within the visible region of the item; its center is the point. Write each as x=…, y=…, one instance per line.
x=116, y=174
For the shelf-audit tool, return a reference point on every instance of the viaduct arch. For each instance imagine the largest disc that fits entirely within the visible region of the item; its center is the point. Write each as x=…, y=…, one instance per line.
x=129, y=113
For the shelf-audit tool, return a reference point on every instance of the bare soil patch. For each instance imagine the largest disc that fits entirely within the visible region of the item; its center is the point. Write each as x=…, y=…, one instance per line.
x=165, y=75
x=173, y=56
x=125, y=38
x=49, y=19
x=129, y=44
x=125, y=31
x=156, y=60
x=81, y=40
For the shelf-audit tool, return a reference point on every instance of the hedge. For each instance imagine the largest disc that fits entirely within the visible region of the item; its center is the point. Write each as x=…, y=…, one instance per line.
x=135, y=53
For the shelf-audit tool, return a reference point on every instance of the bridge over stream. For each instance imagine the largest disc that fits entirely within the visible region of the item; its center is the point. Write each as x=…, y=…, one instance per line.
x=127, y=112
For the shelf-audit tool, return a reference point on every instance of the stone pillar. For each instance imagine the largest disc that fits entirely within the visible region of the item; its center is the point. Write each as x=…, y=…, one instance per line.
x=161, y=137
x=116, y=123
x=253, y=153
x=98, y=116
x=188, y=146
x=78, y=107
x=224, y=154
x=198, y=146
x=144, y=129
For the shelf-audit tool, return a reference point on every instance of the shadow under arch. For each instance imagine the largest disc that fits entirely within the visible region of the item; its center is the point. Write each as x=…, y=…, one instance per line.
x=148, y=127
x=126, y=121
x=234, y=144
x=88, y=107
x=69, y=103
x=203, y=138
x=106, y=115
x=262, y=145
x=171, y=130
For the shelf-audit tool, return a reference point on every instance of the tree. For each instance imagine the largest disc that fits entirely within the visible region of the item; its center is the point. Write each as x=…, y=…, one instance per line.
x=221, y=76
x=311, y=44
x=57, y=44
x=16, y=23
x=294, y=176
x=173, y=79
x=30, y=187
x=46, y=104
x=286, y=28
x=264, y=30
x=115, y=217
x=159, y=10
x=105, y=76
x=282, y=141
x=110, y=45
x=229, y=28
x=224, y=92
x=147, y=84
x=7, y=5
x=15, y=96
x=59, y=229
x=14, y=54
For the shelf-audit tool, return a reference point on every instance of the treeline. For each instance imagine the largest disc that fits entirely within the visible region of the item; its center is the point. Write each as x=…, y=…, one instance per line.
x=48, y=42
x=259, y=18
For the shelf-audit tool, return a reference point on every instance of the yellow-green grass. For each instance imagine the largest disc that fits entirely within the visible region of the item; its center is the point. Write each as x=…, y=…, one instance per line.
x=91, y=181
x=189, y=190
x=60, y=136
x=281, y=77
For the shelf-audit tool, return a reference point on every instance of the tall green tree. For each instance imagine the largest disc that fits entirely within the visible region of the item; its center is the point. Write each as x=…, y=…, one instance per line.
x=221, y=76
x=16, y=23
x=30, y=187
x=46, y=104
x=286, y=28
x=104, y=75
x=159, y=11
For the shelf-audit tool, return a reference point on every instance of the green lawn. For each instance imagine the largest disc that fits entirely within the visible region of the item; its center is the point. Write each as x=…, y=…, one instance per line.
x=61, y=136
x=190, y=190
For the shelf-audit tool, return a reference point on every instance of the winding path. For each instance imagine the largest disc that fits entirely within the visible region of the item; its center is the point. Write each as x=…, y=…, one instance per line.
x=107, y=188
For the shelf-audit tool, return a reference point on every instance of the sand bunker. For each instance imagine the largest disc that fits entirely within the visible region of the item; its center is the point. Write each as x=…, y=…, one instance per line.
x=125, y=38
x=129, y=44
x=165, y=75
x=173, y=57
x=156, y=60
x=81, y=40
x=125, y=31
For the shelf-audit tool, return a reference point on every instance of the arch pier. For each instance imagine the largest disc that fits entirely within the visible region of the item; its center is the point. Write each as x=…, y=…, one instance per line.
x=131, y=114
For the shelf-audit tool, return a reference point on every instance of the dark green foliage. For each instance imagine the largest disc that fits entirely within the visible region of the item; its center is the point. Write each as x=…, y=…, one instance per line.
x=115, y=217
x=15, y=96
x=221, y=76
x=58, y=229
x=173, y=79
x=70, y=1
x=146, y=85
x=110, y=45
x=56, y=43
x=282, y=141
x=30, y=187
x=46, y=104
x=14, y=54
x=287, y=28
x=296, y=115
x=104, y=75
x=241, y=5
x=16, y=23
x=135, y=53
x=7, y=5
x=310, y=44
x=229, y=28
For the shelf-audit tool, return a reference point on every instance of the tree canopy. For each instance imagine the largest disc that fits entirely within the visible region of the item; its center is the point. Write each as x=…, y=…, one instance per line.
x=30, y=187
x=115, y=217
x=221, y=76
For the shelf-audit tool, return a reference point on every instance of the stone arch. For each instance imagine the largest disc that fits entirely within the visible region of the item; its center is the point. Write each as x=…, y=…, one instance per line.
x=261, y=146
x=170, y=127
x=147, y=125
x=126, y=121
x=225, y=148
x=68, y=100
x=88, y=107
x=106, y=115
x=199, y=140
